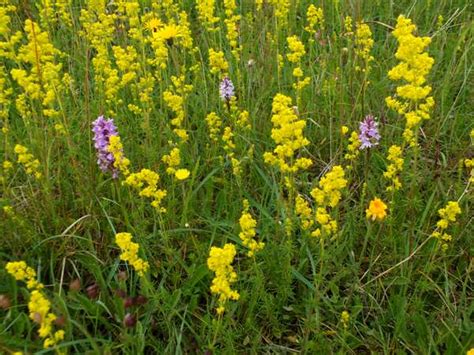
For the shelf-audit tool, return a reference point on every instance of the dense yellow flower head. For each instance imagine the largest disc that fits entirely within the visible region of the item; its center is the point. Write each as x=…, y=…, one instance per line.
x=248, y=231
x=377, y=210
x=395, y=167
x=175, y=98
x=363, y=46
x=448, y=216
x=22, y=272
x=217, y=62
x=412, y=98
x=287, y=133
x=130, y=253
x=214, y=124
x=120, y=161
x=315, y=20
x=328, y=191
x=205, y=10
x=29, y=162
x=146, y=181
x=38, y=305
x=304, y=212
x=182, y=174
x=296, y=48
x=353, y=150
x=220, y=262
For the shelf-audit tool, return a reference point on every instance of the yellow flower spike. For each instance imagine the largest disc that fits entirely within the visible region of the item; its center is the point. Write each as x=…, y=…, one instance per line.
x=248, y=231
x=130, y=253
x=220, y=262
x=217, y=62
x=377, y=210
x=28, y=161
x=394, y=168
x=146, y=181
x=448, y=216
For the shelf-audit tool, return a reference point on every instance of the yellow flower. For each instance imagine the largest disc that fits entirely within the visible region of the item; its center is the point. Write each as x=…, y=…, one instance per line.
x=345, y=317
x=411, y=99
x=248, y=232
x=287, y=133
x=217, y=62
x=394, y=168
x=220, y=262
x=315, y=17
x=377, y=209
x=120, y=161
x=448, y=215
x=147, y=182
x=28, y=161
x=130, y=253
x=182, y=174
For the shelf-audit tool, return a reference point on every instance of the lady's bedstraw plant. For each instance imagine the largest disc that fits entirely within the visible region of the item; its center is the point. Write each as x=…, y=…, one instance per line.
x=130, y=253
x=412, y=99
x=448, y=216
x=38, y=305
x=220, y=262
x=247, y=225
x=287, y=133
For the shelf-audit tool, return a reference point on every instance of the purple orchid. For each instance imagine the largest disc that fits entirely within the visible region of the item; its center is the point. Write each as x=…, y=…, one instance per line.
x=369, y=133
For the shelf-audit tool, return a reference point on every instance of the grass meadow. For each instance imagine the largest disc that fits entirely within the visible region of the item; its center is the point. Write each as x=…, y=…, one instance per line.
x=280, y=176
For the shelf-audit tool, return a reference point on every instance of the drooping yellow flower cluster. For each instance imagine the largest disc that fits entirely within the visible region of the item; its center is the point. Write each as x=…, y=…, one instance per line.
x=377, y=210
x=315, y=21
x=147, y=182
x=363, y=46
x=448, y=215
x=28, y=161
x=120, y=161
x=130, y=253
x=327, y=195
x=287, y=133
x=38, y=305
x=205, y=10
x=220, y=262
x=412, y=99
x=248, y=232
x=217, y=63
x=297, y=51
x=394, y=168
x=40, y=77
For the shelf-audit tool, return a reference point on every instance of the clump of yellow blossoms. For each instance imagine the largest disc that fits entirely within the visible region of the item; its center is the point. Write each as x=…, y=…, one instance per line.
x=147, y=182
x=327, y=195
x=205, y=10
x=173, y=160
x=41, y=77
x=248, y=232
x=214, y=123
x=287, y=133
x=218, y=63
x=448, y=214
x=345, y=318
x=120, y=161
x=395, y=168
x=412, y=99
x=130, y=253
x=232, y=26
x=28, y=161
x=363, y=46
x=297, y=51
x=353, y=150
x=220, y=262
x=315, y=19
x=377, y=210
x=38, y=306
x=22, y=272
x=281, y=8
x=304, y=212
x=175, y=98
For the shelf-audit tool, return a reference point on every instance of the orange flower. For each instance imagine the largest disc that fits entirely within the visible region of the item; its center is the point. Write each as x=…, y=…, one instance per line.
x=377, y=209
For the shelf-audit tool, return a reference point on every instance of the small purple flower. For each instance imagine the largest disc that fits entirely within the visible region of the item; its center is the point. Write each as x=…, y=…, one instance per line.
x=369, y=133
x=226, y=89
x=103, y=129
